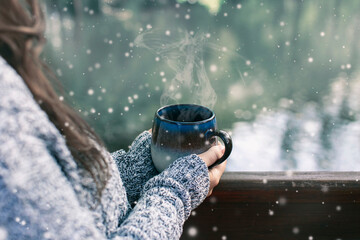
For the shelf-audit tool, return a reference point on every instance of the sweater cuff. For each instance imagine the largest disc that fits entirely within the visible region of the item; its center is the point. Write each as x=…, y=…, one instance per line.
x=191, y=173
x=141, y=142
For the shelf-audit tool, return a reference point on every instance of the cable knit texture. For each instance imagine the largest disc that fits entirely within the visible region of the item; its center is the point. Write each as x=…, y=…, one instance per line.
x=44, y=195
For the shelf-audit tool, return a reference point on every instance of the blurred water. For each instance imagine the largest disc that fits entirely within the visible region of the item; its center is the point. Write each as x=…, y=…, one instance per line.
x=315, y=138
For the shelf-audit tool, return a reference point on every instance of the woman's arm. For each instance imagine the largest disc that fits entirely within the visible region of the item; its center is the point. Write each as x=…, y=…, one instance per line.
x=38, y=202
x=167, y=200
x=136, y=166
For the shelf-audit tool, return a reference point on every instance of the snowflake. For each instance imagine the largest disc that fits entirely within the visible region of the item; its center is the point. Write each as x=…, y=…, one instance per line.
x=295, y=230
x=192, y=231
x=3, y=233
x=213, y=68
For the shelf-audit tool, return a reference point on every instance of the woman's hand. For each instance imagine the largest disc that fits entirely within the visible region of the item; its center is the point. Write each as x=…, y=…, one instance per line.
x=210, y=157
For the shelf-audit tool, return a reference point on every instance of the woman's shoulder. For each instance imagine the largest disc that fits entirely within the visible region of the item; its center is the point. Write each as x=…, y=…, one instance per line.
x=21, y=117
x=14, y=94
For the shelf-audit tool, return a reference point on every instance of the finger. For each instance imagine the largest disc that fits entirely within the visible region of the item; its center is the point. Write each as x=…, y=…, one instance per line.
x=219, y=170
x=215, y=175
x=212, y=155
x=150, y=130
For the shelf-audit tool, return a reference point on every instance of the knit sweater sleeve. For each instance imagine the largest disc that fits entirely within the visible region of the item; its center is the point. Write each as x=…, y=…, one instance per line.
x=167, y=200
x=135, y=166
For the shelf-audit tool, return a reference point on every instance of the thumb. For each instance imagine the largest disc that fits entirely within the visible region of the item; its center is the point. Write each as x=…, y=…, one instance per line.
x=212, y=155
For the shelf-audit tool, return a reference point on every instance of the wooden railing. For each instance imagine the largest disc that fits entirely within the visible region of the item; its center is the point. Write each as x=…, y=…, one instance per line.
x=281, y=206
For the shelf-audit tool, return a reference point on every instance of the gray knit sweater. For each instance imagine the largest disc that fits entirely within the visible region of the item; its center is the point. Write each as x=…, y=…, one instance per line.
x=44, y=195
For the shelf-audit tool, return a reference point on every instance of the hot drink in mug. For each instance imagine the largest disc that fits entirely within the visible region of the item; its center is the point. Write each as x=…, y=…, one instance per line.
x=184, y=129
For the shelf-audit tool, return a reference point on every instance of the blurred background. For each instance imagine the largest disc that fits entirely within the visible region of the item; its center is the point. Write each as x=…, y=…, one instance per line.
x=282, y=76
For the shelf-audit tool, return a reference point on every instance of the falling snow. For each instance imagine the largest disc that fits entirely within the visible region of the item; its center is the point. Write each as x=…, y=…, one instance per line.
x=295, y=230
x=97, y=65
x=213, y=68
x=271, y=212
x=192, y=231
x=3, y=233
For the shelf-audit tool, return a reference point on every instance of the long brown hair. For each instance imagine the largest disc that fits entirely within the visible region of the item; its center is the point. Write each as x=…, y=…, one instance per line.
x=21, y=42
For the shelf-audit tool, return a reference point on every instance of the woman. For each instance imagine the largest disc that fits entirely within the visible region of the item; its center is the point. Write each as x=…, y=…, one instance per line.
x=57, y=181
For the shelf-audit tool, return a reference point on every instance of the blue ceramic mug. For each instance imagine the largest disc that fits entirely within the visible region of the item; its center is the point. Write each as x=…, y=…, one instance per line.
x=184, y=129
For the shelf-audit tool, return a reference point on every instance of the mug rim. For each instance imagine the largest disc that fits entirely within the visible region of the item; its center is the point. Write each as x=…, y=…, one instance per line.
x=185, y=123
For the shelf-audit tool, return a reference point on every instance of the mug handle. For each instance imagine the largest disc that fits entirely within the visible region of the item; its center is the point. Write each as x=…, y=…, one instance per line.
x=225, y=137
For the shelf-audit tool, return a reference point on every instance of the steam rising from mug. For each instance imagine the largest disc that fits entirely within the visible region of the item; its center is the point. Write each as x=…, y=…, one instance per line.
x=183, y=54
